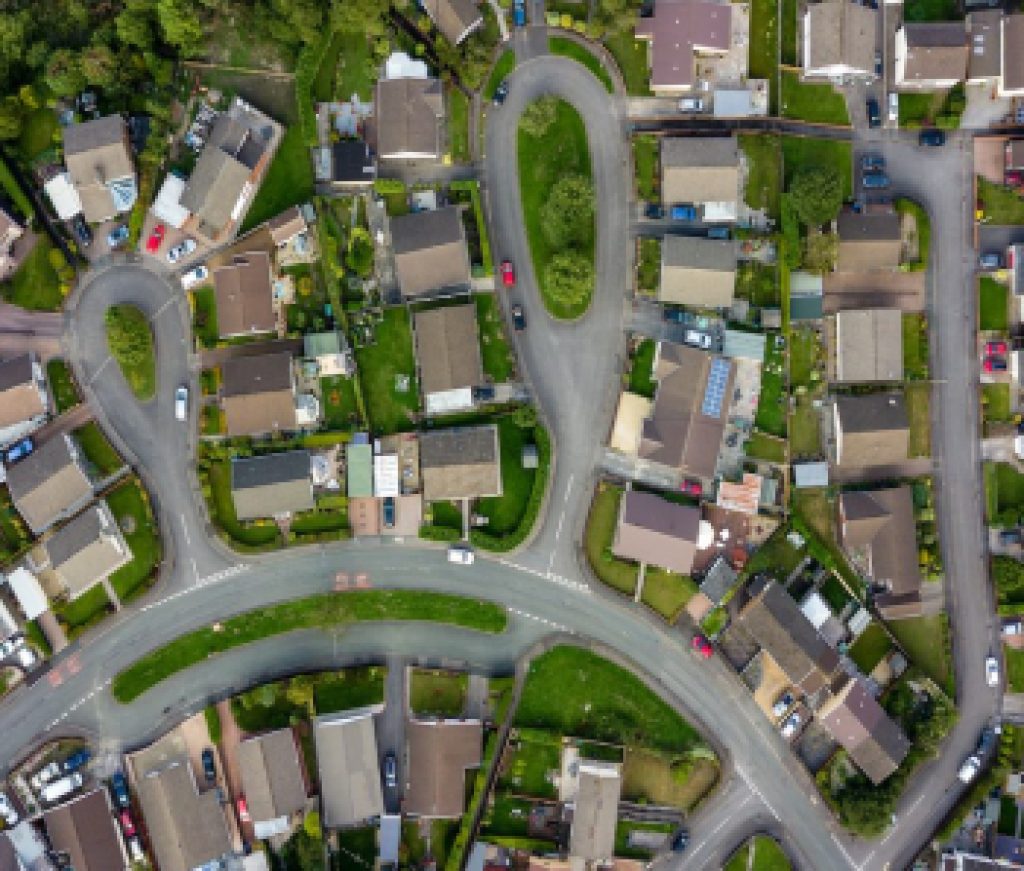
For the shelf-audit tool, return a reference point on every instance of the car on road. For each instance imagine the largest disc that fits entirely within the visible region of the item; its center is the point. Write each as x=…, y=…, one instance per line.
x=7, y=811
x=519, y=13
x=243, y=809
x=508, y=273
x=81, y=230
x=692, y=488
x=874, y=117
x=185, y=247
x=117, y=236
x=878, y=63
x=970, y=768
x=119, y=789
x=209, y=766
x=390, y=771
x=702, y=646
x=389, y=512
x=77, y=760
x=894, y=107
x=782, y=704
x=933, y=138
x=155, y=238
x=875, y=180
x=181, y=403
x=518, y=318
x=19, y=451
x=680, y=841
x=872, y=161
x=500, y=93
x=994, y=364
x=991, y=671
x=683, y=212
x=654, y=211
x=127, y=823
x=691, y=104
x=461, y=554
x=790, y=725
x=996, y=347
x=194, y=276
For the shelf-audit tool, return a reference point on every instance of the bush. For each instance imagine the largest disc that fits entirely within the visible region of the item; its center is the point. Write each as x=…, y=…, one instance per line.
x=539, y=115
x=569, y=278
x=131, y=344
x=567, y=215
x=439, y=533
x=816, y=194
x=389, y=186
x=308, y=64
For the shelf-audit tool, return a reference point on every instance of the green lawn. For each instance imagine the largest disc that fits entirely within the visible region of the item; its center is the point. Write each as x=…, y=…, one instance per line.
x=130, y=505
x=1001, y=205
x=821, y=103
x=498, y=360
x=764, y=177
x=916, y=109
x=438, y=693
x=870, y=647
x=601, y=524
x=340, y=409
x=502, y=67
x=667, y=592
x=995, y=400
x=357, y=69
x=458, y=125
x=322, y=611
x=288, y=182
x=803, y=151
x=760, y=853
x=761, y=446
x=790, y=32
x=804, y=429
x=527, y=771
x=805, y=356
x=391, y=354
x=14, y=534
x=256, y=534
x=758, y=283
x=565, y=47
x=641, y=373
x=349, y=688
x=764, y=44
x=562, y=151
x=322, y=87
x=918, y=400
x=97, y=449
x=648, y=267
x=35, y=285
x=645, y=166
x=85, y=611
x=204, y=316
x=915, y=347
x=1014, y=669
x=926, y=641
x=572, y=691
x=37, y=129
x=505, y=512
x=771, y=404
x=993, y=308
x=1004, y=490
x=930, y=10
x=62, y=385
x=130, y=339
x=631, y=56
x=14, y=191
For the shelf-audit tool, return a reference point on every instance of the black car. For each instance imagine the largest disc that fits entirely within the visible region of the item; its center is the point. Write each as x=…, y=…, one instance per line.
x=389, y=512
x=500, y=93
x=935, y=138
x=874, y=116
x=655, y=211
x=674, y=315
x=483, y=393
x=81, y=230
x=518, y=317
x=209, y=766
x=680, y=841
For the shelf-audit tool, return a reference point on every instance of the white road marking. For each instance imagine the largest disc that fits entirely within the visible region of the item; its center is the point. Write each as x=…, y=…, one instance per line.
x=215, y=578
x=103, y=366
x=718, y=828
x=577, y=586
x=559, y=626
x=184, y=530
x=160, y=311
x=842, y=849
x=753, y=788
x=568, y=488
x=195, y=570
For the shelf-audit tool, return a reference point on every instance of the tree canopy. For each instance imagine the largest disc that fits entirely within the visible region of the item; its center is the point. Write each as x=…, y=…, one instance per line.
x=816, y=194
x=567, y=216
x=539, y=115
x=569, y=277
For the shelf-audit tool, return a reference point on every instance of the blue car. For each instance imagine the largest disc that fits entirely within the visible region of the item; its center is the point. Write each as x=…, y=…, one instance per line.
x=119, y=787
x=118, y=235
x=19, y=451
x=389, y=512
x=76, y=760
x=876, y=180
x=519, y=13
x=683, y=213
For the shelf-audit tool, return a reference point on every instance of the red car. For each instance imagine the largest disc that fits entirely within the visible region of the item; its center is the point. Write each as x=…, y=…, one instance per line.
x=243, y=810
x=692, y=488
x=702, y=646
x=994, y=364
x=995, y=347
x=127, y=824
x=155, y=238
x=508, y=274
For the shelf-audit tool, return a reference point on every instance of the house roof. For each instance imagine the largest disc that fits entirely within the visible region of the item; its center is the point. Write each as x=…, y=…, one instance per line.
x=881, y=524
x=454, y=18
x=271, y=484
x=84, y=829
x=460, y=463
x=87, y=549
x=813, y=474
x=29, y=594
x=63, y=196
x=256, y=393
x=325, y=344
x=409, y=116
x=95, y=154
x=658, y=532
x=678, y=30
x=19, y=394
x=1013, y=53
x=272, y=778
x=874, y=430
x=869, y=345
x=448, y=348
x=214, y=187
x=186, y=828
x=346, y=752
x=743, y=496
x=592, y=837
x=352, y=163
x=430, y=251
x=840, y=34
x=868, y=240
x=245, y=295
x=936, y=50
x=775, y=621
x=287, y=225
x=359, y=470
x=984, y=27
x=718, y=580
x=697, y=272
x=48, y=483
x=700, y=170
x=684, y=431
x=440, y=752
x=855, y=719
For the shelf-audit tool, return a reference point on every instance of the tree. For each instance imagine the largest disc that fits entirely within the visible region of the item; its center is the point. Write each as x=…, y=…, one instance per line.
x=567, y=216
x=301, y=690
x=569, y=278
x=98, y=66
x=311, y=824
x=64, y=73
x=359, y=257
x=11, y=114
x=180, y=24
x=366, y=16
x=135, y=24
x=820, y=252
x=525, y=416
x=539, y=115
x=816, y=194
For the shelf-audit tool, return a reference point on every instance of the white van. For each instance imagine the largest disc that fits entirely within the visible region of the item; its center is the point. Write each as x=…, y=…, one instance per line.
x=461, y=554
x=181, y=403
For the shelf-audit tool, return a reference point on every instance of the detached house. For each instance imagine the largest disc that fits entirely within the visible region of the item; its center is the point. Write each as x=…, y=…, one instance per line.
x=49, y=484
x=931, y=56
x=84, y=829
x=654, y=531
x=409, y=112
x=24, y=401
x=871, y=430
x=1011, y=79
x=440, y=752
x=698, y=272
x=85, y=551
x=869, y=240
x=702, y=171
x=868, y=346
x=448, y=354
x=431, y=257
x=11, y=231
x=839, y=39
x=271, y=485
x=272, y=780
x=98, y=158
x=460, y=463
x=346, y=753
x=245, y=296
x=678, y=34
x=258, y=394
x=595, y=812
x=456, y=19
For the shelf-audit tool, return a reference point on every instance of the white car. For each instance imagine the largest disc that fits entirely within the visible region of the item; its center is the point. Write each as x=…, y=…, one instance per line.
x=45, y=775
x=894, y=107
x=461, y=554
x=26, y=657
x=969, y=770
x=186, y=246
x=7, y=647
x=7, y=810
x=790, y=726
x=181, y=403
x=691, y=104
x=991, y=671
x=194, y=276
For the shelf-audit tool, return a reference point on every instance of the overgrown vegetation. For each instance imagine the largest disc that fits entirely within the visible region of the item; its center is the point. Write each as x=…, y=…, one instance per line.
x=131, y=344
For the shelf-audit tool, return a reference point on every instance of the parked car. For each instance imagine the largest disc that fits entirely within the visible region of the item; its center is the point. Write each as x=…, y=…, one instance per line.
x=719, y=233
x=934, y=138
x=119, y=789
x=987, y=739
x=991, y=260
x=894, y=107
x=44, y=775
x=691, y=104
x=519, y=13
x=77, y=760
x=484, y=393
x=500, y=93
x=878, y=63
x=127, y=823
x=782, y=704
x=185, y=247
x=697, y=339
x=7, y=810
x=461, y=554
x=872, y=161
x=209, y=766
x=991, y=671
x=1013, y=627
x=155, y=238
x=194, y=276
x=654, y=211
x=1013, y=178
x=81, y=230
x=7, y=648
x=61, y=788
x=680, y=841
x=19, y=450
x=243, y=809
x=390, y=770
x=181, y=403
x=875, y=180
x=389, y=512
x=874, y=118
x=790, y=725
x=994, y=364
x=969, y=770
x=702, y=646
x=674, y=315
x=997, y=347
x=692, y=488
x=26, y=657
x=117, y=236
x=683, y=212
x=518, y=318
x=508, y=273
x=135, y=848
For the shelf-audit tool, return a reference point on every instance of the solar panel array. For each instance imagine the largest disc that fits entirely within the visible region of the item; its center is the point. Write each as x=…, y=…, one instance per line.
x=714, y=393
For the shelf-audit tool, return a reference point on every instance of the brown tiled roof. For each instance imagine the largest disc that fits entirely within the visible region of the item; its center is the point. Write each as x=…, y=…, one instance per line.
x=1013, y=52
x=873, y=430
x=936, y=50
x=872, y=739
x=48, y=483
x=985, y=32
x=868, y=240
x=448, y=348
x=257, y=395
x=678, y=30
x=869, y=346
x=409, y=113
x=841, y=34
x=775, y=621
x=440, y=752
x=430, y=251
x=460, y=463
x=287, y=225
x=244, y=295
x=272, y=775
x=84, y=829
x=657, y=532
x=454, y=18
x=19, y=394
x=699, y=170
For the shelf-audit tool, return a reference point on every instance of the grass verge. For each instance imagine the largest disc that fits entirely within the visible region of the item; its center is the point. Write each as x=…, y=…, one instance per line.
x=130, y=340
x=993, y=309
x=62, y=385
x=569, y=48
x=604, y=515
